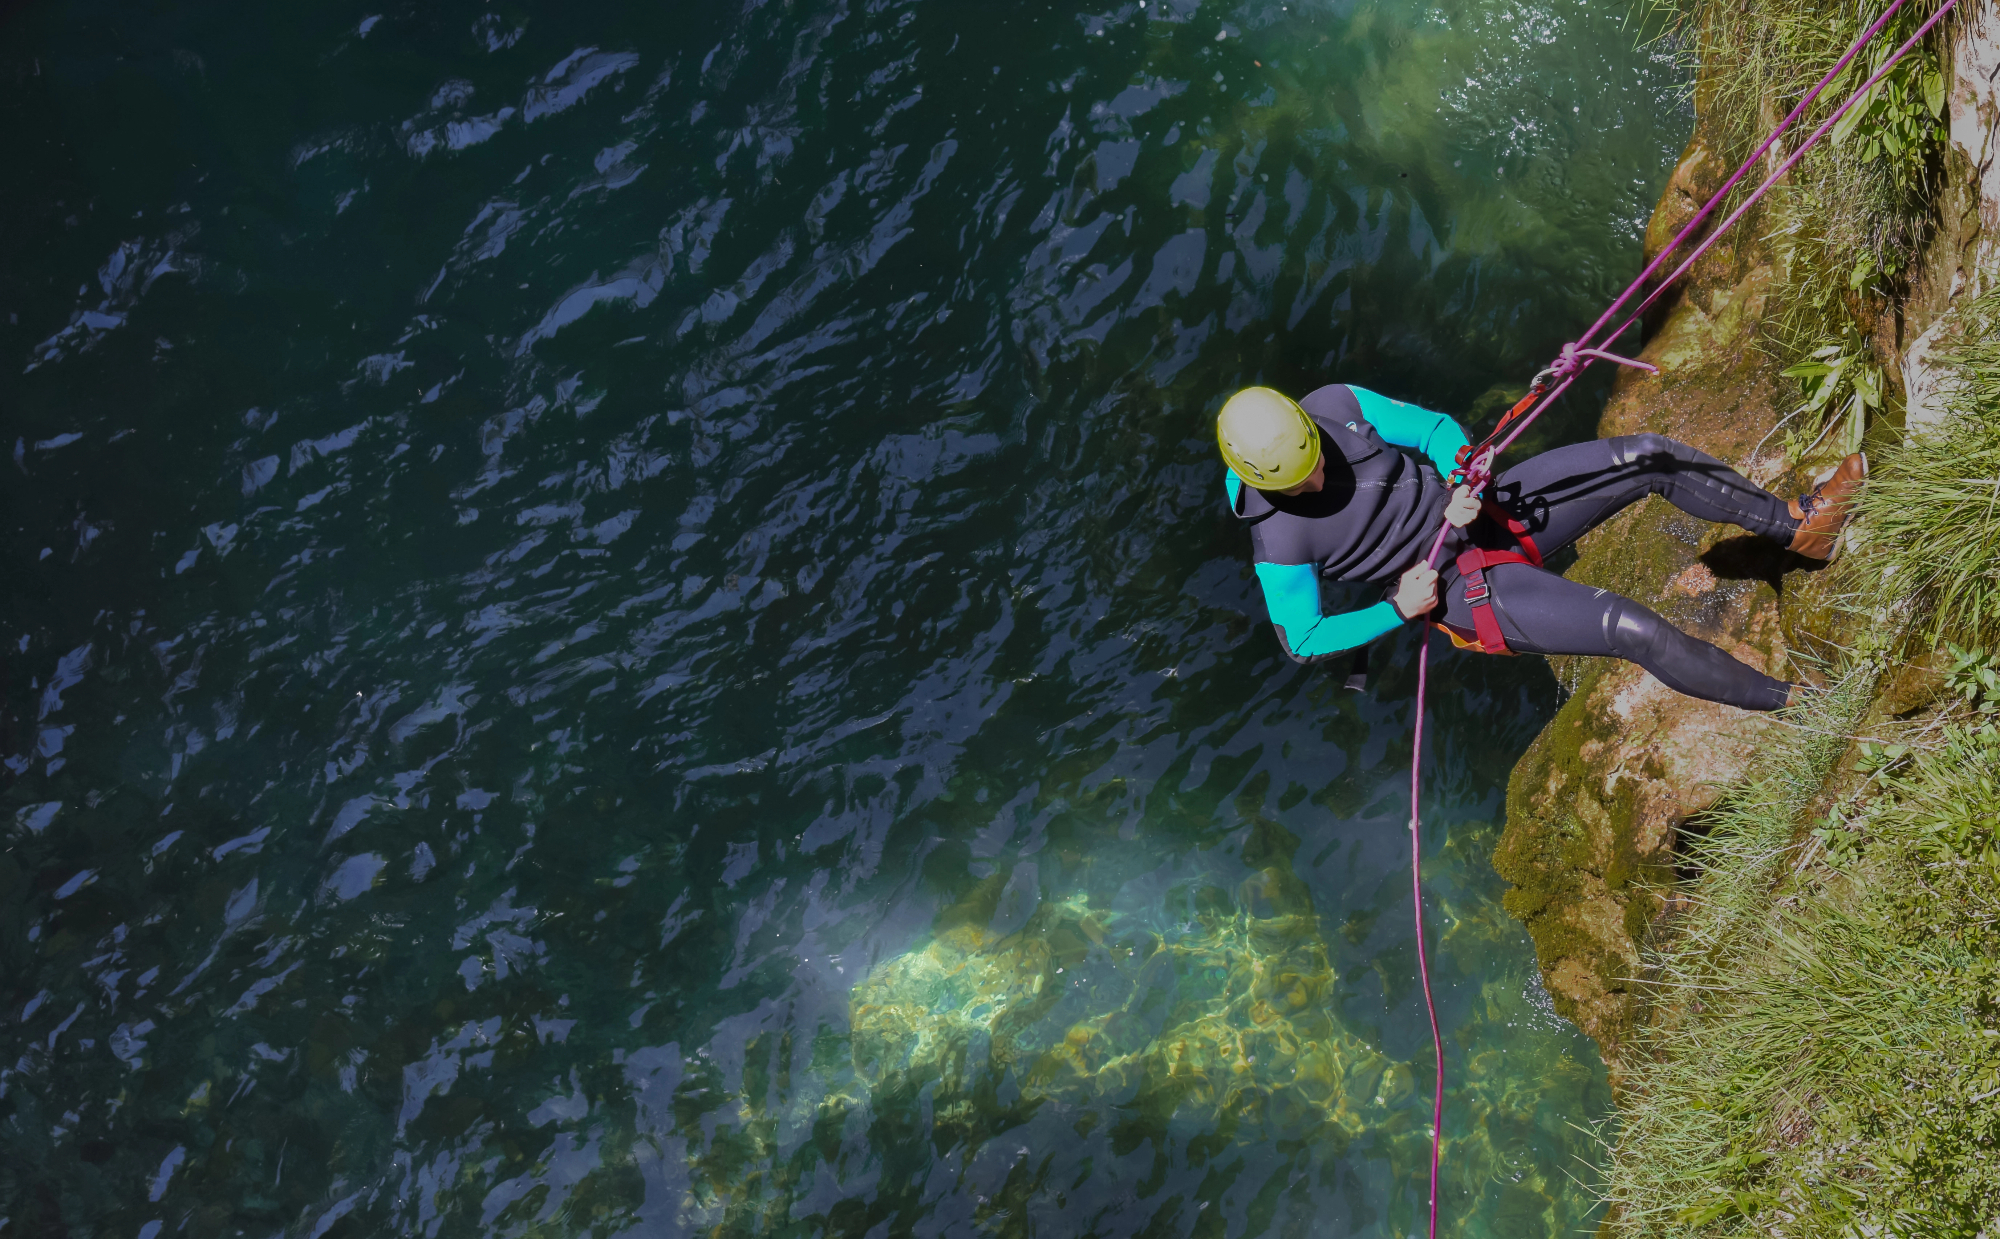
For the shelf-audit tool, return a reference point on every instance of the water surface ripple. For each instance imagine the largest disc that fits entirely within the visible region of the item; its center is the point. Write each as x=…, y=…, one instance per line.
x=619, y=617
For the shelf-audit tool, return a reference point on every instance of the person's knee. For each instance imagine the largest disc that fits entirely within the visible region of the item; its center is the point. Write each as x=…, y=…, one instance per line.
x=1638, y=634
x=1641, y=635
x=1649, y=449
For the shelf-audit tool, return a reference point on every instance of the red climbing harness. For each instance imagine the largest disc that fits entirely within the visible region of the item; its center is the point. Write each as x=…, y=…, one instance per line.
x=1476, y=463
x=1473, y=562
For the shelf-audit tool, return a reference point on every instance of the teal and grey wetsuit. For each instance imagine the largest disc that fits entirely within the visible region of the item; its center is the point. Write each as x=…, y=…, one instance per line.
x=1380, y=508
x=1373, y=518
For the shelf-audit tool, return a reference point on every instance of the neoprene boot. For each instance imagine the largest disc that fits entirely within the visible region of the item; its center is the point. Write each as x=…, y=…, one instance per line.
x=1822, y=513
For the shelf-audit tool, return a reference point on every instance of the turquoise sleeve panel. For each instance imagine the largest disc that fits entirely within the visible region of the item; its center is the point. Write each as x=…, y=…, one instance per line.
x=1409, y=425
x=1291, y=592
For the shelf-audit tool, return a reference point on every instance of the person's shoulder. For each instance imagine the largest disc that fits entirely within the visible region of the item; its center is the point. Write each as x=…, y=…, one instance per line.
x=1285, y=538
x=1334, y=402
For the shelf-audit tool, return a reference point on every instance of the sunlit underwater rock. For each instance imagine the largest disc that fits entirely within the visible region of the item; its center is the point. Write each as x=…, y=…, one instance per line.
x=1174, y=1023
x=1223, y=1019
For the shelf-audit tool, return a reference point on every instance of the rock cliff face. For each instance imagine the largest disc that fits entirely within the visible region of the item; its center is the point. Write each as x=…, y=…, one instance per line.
x=1596, y=806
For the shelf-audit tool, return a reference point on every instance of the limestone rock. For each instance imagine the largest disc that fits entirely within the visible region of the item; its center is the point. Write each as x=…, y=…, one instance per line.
x=1596, y=806
x=1975, y=124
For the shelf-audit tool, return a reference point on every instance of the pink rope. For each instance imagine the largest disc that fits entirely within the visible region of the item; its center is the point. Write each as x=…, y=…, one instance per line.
x=1417, y=898
x=1574, y=360
x=1417, y=893
x=1730, y=184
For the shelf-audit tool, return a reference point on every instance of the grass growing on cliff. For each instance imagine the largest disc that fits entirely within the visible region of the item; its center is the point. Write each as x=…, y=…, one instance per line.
x=1933, y=510
x=1831, y=1064
x=1852, y=217
x=1825, y=1058
x=1857, y=208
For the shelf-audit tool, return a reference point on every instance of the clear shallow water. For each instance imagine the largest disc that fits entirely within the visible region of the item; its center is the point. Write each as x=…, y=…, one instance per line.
x=619, y=618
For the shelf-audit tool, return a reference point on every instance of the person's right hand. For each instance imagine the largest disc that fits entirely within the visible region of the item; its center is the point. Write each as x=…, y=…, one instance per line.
x=1417, y=593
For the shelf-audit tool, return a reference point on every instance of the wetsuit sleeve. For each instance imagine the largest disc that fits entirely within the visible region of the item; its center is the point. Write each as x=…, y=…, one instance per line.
x=1407, y=425
x=1291, y=592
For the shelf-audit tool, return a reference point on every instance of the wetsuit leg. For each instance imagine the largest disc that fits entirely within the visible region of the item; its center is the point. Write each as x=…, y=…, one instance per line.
x=1565, y=493
x=1542, y=613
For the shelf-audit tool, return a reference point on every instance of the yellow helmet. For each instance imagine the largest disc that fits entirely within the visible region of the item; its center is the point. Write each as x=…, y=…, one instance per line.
x=1267, y=439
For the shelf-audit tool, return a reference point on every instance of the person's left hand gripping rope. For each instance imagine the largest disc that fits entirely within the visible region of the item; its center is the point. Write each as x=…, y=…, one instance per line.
x=1464, y=506
x=1416, y=594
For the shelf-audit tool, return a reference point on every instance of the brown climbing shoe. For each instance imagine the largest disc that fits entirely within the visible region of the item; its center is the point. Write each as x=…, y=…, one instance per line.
x=1822, y=513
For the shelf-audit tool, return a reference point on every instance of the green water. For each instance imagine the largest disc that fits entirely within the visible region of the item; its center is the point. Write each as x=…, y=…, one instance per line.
x=618, y=618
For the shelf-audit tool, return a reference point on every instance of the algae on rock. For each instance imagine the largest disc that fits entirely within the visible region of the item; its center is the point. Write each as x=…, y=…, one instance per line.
x=1595, y=805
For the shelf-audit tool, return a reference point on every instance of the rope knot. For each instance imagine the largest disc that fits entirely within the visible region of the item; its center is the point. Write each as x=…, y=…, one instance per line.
x=1563, y=367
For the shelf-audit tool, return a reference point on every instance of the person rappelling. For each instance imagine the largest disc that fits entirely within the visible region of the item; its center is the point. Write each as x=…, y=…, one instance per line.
x=1327, y=494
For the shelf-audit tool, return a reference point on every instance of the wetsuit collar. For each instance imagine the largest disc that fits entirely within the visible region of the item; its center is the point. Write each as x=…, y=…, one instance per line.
x=1248, y=503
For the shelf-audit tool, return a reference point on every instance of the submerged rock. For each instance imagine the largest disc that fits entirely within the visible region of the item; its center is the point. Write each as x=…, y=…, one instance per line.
x=1223, y=1020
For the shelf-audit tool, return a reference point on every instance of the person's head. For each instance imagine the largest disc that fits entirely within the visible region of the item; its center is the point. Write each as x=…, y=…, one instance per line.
x=1269, y=442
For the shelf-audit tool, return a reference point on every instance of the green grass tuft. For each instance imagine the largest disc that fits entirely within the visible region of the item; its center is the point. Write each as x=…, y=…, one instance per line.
x=1933, y=507
x=1828, y=1054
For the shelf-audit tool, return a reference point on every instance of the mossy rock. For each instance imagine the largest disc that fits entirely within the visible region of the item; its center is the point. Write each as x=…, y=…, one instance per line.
x=1596, y=806
x=1913, y=684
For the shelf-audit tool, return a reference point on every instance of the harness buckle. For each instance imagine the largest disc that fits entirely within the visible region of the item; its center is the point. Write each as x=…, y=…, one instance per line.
x=1475, y=586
